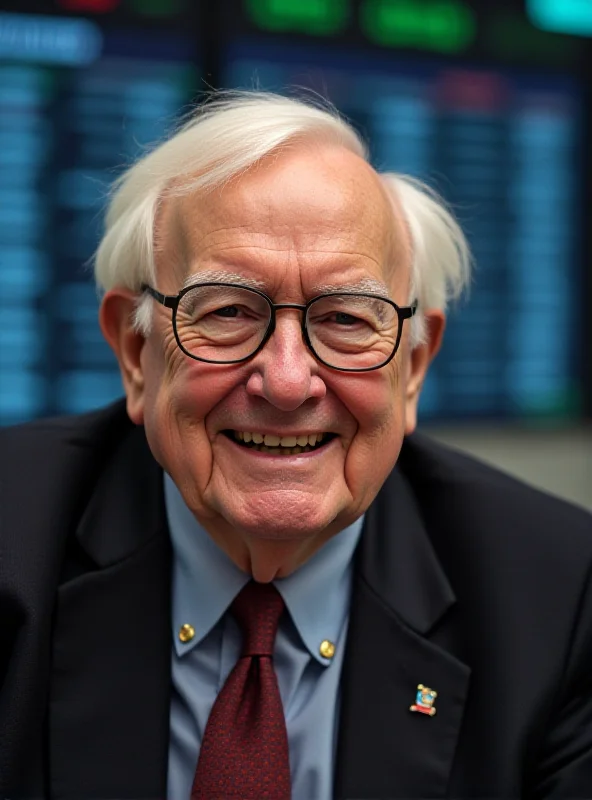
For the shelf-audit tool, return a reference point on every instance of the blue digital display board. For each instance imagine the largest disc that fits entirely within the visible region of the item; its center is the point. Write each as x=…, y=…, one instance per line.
x=503, y=148
x=79, y=100
x=77, y=103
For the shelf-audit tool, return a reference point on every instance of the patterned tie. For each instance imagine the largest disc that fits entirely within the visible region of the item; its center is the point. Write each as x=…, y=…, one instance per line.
x=244, y=752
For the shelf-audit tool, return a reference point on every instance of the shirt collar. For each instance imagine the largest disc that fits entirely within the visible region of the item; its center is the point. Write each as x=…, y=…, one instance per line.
x=206, y=581
x=317, y=594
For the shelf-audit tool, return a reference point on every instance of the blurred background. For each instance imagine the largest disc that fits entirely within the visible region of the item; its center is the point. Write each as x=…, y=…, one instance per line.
x=490, y=103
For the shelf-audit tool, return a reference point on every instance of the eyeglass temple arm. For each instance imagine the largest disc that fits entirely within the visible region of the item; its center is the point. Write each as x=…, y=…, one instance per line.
x=168, y=300
x=409, y=311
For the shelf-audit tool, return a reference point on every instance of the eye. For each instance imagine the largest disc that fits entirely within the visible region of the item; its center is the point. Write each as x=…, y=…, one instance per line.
x=341, y=318
x=227, y=311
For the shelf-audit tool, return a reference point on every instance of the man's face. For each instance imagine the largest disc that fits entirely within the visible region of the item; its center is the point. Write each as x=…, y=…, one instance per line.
x=304, y=222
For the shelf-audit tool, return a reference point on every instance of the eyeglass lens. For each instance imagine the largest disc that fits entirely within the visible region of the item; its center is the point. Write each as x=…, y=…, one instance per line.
x=227, y=323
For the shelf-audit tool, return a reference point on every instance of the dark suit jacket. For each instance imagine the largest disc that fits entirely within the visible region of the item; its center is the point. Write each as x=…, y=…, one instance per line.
x=466, y=581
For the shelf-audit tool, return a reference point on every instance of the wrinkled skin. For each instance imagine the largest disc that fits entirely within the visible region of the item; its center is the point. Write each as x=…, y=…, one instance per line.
x=311, y=217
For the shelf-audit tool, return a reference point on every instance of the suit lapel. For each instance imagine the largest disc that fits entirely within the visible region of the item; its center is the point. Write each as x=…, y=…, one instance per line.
x=108, y=716
x=400, y=593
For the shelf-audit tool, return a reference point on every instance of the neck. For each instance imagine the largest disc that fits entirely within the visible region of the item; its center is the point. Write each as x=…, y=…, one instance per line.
x=268, y=559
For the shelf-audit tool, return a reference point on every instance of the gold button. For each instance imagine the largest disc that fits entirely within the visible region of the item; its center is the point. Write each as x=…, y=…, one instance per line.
x=327, y=649
x=186, y=633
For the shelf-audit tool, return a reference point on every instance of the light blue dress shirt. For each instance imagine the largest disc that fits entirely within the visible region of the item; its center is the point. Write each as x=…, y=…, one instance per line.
x=317, y=595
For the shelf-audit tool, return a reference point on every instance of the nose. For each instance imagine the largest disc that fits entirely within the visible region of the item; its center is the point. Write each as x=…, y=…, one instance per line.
x=285, y=372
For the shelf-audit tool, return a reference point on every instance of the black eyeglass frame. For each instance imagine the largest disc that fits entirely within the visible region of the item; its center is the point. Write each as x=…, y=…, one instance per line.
x=172, y=301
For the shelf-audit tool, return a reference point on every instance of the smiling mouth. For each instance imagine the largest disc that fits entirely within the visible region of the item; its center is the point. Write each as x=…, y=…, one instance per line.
x=280, y=445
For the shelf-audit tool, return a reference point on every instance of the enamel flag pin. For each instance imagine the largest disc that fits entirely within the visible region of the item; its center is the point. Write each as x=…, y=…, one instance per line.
x=424, y=700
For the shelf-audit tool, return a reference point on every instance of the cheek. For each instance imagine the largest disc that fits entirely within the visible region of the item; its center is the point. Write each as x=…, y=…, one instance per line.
x=375, y=400
x=162, y=379
x=177, y=387
x=180, y=394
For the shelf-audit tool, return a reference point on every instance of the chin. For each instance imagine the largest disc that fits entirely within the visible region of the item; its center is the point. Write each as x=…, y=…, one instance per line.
x=282, y=516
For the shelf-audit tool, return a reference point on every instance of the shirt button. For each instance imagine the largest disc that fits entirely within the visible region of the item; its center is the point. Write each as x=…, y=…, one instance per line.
x=186, y=633
x=327, y=649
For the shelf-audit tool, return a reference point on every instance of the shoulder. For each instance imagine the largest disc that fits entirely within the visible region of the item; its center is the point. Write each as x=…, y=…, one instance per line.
x=457, y=490
x=431, y=466
x=48, y=469
x=51, y=440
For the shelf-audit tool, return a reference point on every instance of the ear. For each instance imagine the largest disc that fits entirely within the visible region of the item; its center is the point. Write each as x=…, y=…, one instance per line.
x=419, y=360
x=116, y=317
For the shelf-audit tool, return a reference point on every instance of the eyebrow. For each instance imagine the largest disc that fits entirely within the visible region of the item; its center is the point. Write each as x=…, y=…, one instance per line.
x=222, y=276
x=365, y=285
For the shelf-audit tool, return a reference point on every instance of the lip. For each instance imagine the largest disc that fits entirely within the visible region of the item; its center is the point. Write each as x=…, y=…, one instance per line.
x=273, y=432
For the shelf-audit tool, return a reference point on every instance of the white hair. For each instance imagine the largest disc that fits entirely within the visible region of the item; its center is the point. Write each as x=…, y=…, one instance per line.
x=222, y=140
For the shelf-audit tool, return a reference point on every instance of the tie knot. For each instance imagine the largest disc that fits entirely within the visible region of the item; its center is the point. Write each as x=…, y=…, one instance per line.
x=257, y=609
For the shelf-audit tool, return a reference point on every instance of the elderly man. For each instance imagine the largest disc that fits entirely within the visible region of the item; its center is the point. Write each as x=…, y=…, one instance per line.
x=250, y=580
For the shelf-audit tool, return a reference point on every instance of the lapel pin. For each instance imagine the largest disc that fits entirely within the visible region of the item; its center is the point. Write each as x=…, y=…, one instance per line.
x=424, y=700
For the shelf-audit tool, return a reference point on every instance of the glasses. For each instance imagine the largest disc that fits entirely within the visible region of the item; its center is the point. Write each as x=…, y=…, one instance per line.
x=225, y=323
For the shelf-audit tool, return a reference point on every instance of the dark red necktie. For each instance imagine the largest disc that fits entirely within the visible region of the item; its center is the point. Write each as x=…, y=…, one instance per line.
x=244, y=752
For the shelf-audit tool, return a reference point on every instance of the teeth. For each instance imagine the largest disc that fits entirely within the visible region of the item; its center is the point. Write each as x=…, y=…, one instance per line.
x=287, y=443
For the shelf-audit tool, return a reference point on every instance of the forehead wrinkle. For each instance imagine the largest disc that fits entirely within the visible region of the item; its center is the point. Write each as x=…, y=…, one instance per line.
x=293, y=252
x=200, y=239
x=293, y=237
x=222, y=257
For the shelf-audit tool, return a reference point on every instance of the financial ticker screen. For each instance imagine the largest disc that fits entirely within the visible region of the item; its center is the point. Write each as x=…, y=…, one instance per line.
x=78, y=101
x=503, y=148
